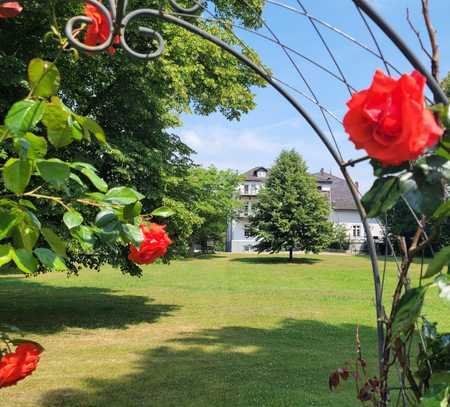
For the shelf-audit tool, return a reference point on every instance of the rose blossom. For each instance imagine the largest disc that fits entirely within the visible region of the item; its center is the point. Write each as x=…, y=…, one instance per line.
x=10, y=9
x=390, y=121
x=19, y=364
x=98, y=31
x=155, y=244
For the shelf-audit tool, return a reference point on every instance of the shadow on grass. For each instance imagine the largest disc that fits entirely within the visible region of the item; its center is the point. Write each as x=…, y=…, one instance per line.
x=44, y=309
x=265, y=259
x=211, y=256
x=234, y=366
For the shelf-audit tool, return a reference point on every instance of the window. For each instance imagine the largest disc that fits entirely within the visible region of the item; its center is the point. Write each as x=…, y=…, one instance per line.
x=356, y=230
x=261, y=174
x=247, y=231
x=246, y=189
x=246, y=208
x=254, y=189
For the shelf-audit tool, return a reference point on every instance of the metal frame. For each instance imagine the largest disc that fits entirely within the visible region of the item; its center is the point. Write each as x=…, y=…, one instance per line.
x=118, y=19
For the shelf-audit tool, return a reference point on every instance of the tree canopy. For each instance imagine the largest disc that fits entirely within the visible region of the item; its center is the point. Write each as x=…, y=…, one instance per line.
x=138, y=103
x=290, y=214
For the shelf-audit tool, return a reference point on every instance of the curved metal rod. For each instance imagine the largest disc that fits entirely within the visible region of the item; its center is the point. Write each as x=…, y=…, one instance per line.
x=148, y=31
x=76, y=21
x=184, y=10
x=296, y=105
x=334, y=29
x=438, y=93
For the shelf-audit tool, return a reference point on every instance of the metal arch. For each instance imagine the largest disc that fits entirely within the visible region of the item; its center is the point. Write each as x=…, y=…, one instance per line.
x=118, y=22
x=160, y=14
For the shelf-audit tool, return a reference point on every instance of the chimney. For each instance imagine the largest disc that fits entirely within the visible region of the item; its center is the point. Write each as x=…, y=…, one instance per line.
x=322, y=171
x=357, y=185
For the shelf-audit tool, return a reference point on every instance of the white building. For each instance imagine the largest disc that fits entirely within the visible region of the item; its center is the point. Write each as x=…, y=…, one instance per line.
x=343, y=210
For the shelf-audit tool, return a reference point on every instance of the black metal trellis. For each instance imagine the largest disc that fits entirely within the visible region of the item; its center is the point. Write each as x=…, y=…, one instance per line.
x=118, y=19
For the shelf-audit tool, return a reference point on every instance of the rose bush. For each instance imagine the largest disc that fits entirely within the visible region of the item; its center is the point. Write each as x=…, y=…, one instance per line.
x=390, y=121
x=409, y=146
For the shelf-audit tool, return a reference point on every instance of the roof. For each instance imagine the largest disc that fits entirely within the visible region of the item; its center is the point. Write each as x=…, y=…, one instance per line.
x=250, y=175
x=341, y=197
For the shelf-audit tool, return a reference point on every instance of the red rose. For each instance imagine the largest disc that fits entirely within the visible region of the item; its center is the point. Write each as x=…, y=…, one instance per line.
x=389, y=120
x=20, y=364
x=155, y=244
x=98, y=31
x=10, y=9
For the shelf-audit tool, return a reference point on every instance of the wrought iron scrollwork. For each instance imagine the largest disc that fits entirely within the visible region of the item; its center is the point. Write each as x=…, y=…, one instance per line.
x=188, y=10
x=110, y=16
x=118, y=19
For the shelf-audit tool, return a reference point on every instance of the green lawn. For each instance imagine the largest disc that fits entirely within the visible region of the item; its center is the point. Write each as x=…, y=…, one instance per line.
x=232, y=331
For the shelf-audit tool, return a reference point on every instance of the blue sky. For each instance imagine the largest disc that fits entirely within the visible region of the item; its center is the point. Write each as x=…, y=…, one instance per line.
x=274, y=125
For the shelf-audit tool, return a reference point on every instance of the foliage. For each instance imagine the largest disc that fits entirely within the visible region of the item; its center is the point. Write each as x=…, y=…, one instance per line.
x=206, y=201
x=137, y=103
x=34, y=129
x=291, y=213
x=339, y=239
x=411, y=194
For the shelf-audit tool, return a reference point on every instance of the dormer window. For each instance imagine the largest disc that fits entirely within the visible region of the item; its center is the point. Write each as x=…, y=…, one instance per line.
x=261, y=173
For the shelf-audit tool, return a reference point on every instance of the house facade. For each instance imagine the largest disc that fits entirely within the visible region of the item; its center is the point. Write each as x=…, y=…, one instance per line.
x=334, y=189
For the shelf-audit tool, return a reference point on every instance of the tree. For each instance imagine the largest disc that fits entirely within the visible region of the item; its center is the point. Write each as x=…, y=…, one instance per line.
x=135, y=102
x=206, y=202
x=291, y=213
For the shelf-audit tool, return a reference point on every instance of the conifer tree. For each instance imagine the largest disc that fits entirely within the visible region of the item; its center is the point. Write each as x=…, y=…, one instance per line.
x=291, y=214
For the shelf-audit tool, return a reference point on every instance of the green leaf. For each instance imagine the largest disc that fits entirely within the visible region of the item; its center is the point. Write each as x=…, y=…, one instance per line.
x=92, y=127
x=60, y=137
x=54, y=241
x=38, y=146
x=72, y=219
x=85, y=236
x=90, y=173
x=408, y=311
x=77, y=179
x=30, y=146
x=122, y=196
x=25, y=260
x=107, y=220
x=440, y=260
x=163, y=212
x=5, y=254
x=50, y=259
x=132, y=210
x=133, y=234
x=374, y=200
x=59, y=124
x=436, y=396
x=25, y=235
x=17, y=174
x=442, y=212
x=54, y=171
x=7, y=221
x=44, y=78
x=24, y=115
x=27, y=204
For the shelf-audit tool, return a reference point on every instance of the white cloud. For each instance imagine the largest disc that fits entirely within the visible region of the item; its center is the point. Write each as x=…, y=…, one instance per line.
x=243, y=148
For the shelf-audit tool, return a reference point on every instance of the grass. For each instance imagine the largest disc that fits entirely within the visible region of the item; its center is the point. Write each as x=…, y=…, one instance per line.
x=223, y=331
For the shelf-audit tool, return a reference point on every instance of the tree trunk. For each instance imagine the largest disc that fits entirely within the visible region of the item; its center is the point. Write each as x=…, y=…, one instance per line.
x=291, y=254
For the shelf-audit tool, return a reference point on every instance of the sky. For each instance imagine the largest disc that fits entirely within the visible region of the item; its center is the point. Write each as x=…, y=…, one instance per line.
x=274, y=125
